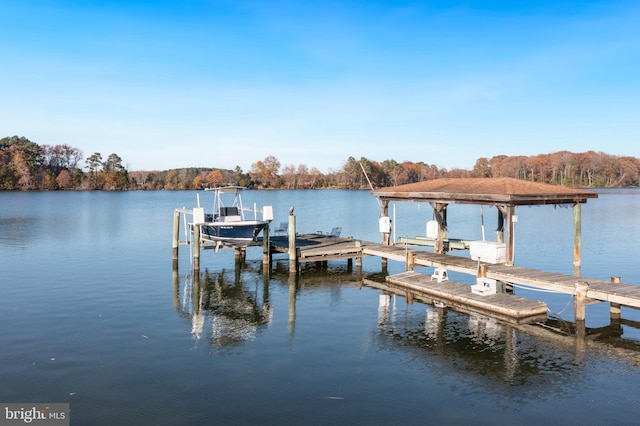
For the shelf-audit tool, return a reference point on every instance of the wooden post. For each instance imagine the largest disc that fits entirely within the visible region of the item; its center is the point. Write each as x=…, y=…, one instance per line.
x=482, y=271
x=580, y=309
x=511, y=228
x=580, y=301
x=410, y=261
x=577, y=231
x=176, y=287
x=409, y=297
x=384, y=212
x=176, y=237
x=196, y=247
x=440, y=210
x=614, y=308
x=500, y=229
x=293, y=256
x=266, y=247
x=240, y=254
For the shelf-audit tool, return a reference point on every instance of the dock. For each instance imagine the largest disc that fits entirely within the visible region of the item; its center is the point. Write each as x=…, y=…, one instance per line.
x=321, y=247
x=315, y=248
x=507, y=307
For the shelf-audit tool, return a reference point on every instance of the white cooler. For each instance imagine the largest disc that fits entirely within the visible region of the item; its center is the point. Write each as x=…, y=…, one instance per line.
x=488, y=251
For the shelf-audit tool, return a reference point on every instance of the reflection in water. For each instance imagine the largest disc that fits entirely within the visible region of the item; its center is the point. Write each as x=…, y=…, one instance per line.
x=222, y=307
x=228, y=308
x=483, y=352
x=15, y=232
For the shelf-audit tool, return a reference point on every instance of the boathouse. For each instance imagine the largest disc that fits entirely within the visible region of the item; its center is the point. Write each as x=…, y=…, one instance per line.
x=504, y=193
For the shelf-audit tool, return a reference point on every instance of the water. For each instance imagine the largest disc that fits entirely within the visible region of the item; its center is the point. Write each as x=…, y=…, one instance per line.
x=93, y=314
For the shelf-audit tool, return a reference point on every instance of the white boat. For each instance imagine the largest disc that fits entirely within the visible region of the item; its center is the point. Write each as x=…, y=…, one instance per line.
x=227, y=222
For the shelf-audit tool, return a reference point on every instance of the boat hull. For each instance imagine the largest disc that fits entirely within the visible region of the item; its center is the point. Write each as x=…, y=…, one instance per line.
x=238, y=232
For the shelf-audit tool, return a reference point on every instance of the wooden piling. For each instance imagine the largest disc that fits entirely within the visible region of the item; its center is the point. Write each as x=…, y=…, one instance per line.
x=293, y=254
x=240, y=254
x=196, y=246
x=384, y=212
x=577, y=239
x=580, y=301
x=176, y=237
x=614, y=308
x=410, y=261
x=511, y=229
x=266, y=247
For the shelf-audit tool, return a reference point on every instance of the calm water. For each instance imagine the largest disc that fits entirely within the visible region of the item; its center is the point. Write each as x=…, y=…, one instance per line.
x=92, y=314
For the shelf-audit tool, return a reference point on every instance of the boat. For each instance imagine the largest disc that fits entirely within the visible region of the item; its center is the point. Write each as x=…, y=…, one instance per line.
x=227, y=222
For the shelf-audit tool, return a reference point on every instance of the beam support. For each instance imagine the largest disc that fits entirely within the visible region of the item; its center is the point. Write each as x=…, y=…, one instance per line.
x=440, y=210
x=511, y=228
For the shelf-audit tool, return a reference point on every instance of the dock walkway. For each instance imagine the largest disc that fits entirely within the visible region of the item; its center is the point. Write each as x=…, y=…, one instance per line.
x=626, y=294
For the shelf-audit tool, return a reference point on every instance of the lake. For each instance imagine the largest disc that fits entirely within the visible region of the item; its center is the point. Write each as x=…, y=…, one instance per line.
x=94, y=315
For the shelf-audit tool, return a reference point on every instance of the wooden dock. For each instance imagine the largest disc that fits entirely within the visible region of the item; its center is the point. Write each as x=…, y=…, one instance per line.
x=314, y=248
x=626, y=294
x=319, y=247
x=505, y=306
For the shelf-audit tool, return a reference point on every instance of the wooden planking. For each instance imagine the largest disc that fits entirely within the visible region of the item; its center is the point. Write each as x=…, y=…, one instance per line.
x=456, y=294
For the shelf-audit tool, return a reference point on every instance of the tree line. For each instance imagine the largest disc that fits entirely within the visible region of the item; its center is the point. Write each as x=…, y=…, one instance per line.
x=26, y=165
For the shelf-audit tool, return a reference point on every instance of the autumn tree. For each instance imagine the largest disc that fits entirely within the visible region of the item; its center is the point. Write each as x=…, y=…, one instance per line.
x=214, y=178
x=64, y=180
x=264, y=173
x=482, y=168
x=22, y=170
x=289, y=176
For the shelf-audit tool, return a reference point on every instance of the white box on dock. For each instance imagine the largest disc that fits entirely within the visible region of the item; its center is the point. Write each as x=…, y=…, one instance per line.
x=198, y=215
x=267, y=212
x=488, y=251
x=432, y=229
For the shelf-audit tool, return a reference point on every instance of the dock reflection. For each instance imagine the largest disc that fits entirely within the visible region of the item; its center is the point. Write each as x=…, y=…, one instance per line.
x=470, y=344
x=224, y=308
x=540, y=361
x=229, y=307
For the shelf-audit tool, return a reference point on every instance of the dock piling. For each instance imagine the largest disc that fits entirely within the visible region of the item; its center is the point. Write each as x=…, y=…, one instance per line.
x=577, y=239
x=196, y=246
x=293, y=254
x=580, y=301
x=176, y=236
x=266, y=247
x=614, y=308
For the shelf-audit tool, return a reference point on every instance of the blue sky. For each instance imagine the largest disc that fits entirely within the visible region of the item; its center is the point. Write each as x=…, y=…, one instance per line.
x=167, y=84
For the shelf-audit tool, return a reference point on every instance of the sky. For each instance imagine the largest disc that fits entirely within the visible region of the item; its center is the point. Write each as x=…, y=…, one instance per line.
x=217, y=83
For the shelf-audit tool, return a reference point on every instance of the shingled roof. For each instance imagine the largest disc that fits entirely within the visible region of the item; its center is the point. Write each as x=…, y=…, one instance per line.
x=504, y=191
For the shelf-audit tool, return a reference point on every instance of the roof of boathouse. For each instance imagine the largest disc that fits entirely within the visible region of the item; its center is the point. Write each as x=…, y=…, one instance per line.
x=499, y=191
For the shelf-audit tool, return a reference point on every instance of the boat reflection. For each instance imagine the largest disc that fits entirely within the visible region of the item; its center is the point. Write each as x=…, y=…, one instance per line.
x=224, y=308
